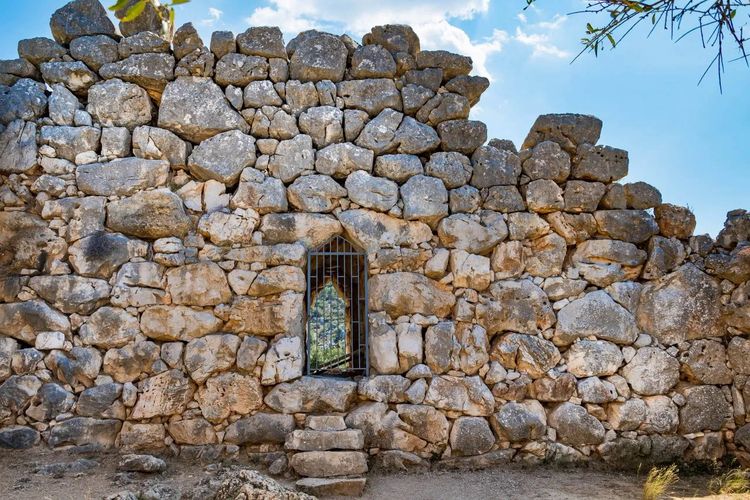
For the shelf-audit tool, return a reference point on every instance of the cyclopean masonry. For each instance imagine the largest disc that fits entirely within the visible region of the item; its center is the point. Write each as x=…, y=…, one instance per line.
x=158, y=203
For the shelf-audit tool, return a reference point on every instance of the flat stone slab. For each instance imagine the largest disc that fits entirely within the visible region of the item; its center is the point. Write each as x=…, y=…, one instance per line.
x=311, y=440
x=325, y=487
x=329, y=463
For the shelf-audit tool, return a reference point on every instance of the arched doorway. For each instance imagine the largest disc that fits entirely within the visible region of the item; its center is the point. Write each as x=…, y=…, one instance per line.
x=337, y=327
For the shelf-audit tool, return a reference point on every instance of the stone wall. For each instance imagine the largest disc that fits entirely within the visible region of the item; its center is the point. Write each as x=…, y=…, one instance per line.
x=158, y=202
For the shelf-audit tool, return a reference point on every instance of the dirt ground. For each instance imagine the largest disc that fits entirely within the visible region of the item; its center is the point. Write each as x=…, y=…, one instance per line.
x=36, y=475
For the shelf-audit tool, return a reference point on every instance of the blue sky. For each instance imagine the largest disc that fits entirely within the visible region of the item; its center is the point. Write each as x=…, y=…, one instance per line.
x=690, y=141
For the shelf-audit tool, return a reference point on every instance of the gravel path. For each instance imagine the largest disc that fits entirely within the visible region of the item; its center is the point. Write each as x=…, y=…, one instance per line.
x=95, y=476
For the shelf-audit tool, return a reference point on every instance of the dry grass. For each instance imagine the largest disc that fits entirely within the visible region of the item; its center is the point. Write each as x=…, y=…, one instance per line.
x=659, y=480
x=734, y=482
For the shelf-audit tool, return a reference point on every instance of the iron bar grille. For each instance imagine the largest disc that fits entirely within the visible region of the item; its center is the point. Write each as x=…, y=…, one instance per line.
x=337, y=326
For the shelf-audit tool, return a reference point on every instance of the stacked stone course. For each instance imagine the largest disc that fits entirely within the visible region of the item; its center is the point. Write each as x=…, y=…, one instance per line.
x=158, y=202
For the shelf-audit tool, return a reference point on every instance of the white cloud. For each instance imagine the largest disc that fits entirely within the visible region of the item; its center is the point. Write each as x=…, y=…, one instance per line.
x=540, y=44
x=214, y=15
x=443, y=35
x=434, y=26
x=435, y=21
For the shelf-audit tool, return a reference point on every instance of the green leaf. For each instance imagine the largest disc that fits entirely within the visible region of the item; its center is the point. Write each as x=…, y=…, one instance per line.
x=171, y=18
x=734, y=13
x=611, y=40
x=134, y=11
x=178, y=2
x=119, y=5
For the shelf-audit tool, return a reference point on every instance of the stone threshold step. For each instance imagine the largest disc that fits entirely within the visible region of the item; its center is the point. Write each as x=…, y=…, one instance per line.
x=344, y=486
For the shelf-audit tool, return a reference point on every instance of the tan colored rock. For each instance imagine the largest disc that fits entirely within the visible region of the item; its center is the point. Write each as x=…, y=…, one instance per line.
x=210, y=354
x=277, y=280
x=199, y=284
x=126, y=364
x=329, y=463
x=518, y=306
x=409, y=293
x=229, y=393
x=468, y=395
x=683, y=305
x=167, y=323
x=162, y=395
x=528, y=354
x=229, y=228
x=372, y=230
x=266, y=316
x=312, y=395
x=285, y=360
x=196, y=431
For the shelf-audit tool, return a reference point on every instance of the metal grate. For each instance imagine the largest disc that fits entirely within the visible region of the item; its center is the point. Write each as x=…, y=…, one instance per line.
x=337, y=327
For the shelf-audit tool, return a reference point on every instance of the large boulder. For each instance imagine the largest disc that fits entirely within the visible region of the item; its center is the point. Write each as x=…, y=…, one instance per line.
x=260, y=192
x=600, y=163
x=312, y=230
x=85, y=431
x=310, y=394
x=199, y=284
x=329, y=463
x=683, y=305
x=575, y=426
x=373, y=230
x=229, y=393
x=114, y=103
x=425, y=199
x=518, y=306
x=168, y=323
x=371, y=192
x=518, y=422
x=25, y=100
x=341, y=159
x=635, y=226
x=28, y=243
x=149, y=214
x=706, y=362
x=315, y=193
x=371, y=96
x=80, y=18
x=477, y=235
x=528, y=354
x=68, y=142
x=567, y=130
x=593, y=358
x=24, y=320
x=705, y=409
x=317, y=56
x=652, y=371
x=121, y=176
x=471, y=436
x=409, y=293
x=239, y=70
x=70, y=293
x=223, y=157
x=40, y=49
x=152, y=71
x=195, y=109
x=18, y=147
x=266, y=316
x=76, y=76
x=464, y=136
x=599, y=315
x=163, y=395
x=109, y=327
x=260, y=428
x=468, y=395
x=153, y=143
